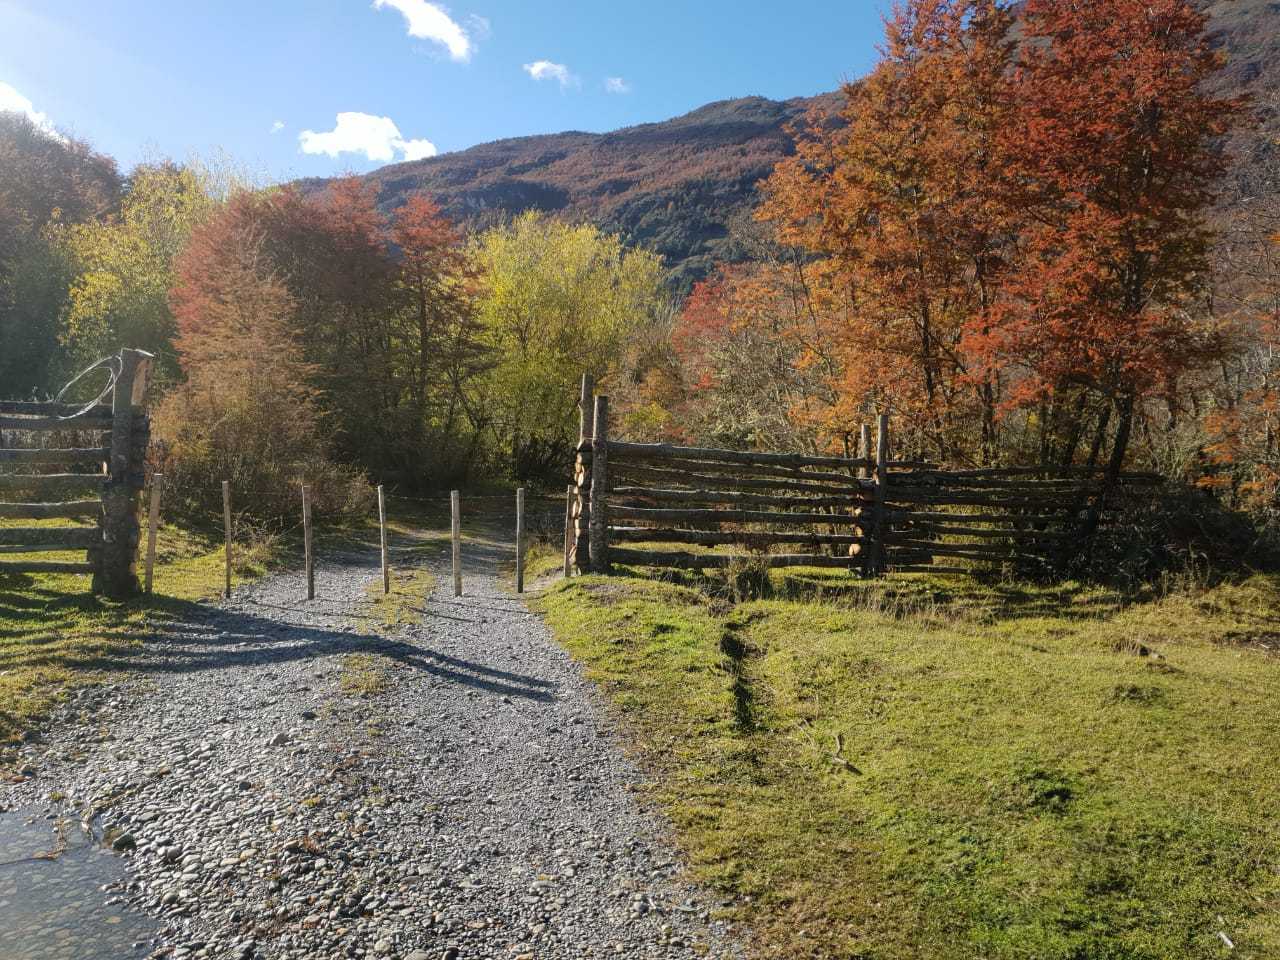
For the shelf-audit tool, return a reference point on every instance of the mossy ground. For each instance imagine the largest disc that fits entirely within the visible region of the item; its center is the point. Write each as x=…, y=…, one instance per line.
x=934, y=767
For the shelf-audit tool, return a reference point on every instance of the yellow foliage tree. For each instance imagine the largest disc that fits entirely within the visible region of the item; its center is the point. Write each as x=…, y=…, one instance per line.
x=558, y=300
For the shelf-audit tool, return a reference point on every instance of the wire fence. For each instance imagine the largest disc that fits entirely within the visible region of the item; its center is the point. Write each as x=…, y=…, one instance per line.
x=233, y=523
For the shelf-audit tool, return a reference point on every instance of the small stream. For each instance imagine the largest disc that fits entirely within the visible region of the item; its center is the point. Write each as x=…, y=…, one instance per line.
x=53, y=908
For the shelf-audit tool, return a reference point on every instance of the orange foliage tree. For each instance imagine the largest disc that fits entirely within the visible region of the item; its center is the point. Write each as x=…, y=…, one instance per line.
x=246, y=411
x=901, y=202
x=1110, y=157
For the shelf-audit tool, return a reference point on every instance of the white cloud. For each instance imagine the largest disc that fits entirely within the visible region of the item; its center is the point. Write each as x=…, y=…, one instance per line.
x=417, y=149
x=430, y=21
x=277, y=126
x=378, y=138
x=546, y=70
x=616, y=85
x=11, y=101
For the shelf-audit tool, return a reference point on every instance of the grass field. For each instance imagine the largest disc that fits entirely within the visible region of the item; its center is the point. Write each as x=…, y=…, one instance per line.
x=940, y=769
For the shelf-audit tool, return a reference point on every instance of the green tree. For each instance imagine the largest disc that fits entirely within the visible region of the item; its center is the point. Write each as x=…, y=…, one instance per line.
x=45, y=180
x=125, y=267
x=558, y=301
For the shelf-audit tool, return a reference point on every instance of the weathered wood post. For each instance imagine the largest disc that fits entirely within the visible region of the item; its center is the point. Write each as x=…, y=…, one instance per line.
x=307, y=542
x=226, y=526
x=153, y=528
x=876, y=553
x=581, y=548
x=568, y=531
x=520, y=540
x=382, y=529
x=116, y=559
x=455, y=502
x=599, y=526
x=863, y=527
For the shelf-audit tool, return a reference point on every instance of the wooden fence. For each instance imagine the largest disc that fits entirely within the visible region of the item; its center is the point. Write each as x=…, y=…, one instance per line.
x=871, y=514
x=100, y=450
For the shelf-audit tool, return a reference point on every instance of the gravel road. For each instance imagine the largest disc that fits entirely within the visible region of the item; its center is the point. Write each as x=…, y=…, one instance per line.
x=285, y=781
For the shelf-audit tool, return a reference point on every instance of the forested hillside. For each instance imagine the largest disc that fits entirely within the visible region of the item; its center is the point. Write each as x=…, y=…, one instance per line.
x=679, y=187
x=675, y=187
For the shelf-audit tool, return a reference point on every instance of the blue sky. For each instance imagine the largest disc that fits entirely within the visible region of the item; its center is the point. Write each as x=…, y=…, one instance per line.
x=267, y=81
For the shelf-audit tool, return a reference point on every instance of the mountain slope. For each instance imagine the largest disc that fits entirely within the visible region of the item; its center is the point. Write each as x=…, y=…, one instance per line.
x=678, y=186
x=673, y=186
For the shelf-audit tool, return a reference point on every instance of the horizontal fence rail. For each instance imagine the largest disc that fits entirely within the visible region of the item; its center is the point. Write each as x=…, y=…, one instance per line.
x=663, y=505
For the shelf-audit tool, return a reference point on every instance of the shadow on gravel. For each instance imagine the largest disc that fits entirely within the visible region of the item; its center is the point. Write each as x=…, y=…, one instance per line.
x=207, y=638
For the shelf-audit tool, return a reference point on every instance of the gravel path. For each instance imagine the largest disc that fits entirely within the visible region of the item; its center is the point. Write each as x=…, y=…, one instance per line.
x=454, y=791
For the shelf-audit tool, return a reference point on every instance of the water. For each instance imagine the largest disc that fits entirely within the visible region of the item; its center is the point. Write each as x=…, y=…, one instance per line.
x=52, y=909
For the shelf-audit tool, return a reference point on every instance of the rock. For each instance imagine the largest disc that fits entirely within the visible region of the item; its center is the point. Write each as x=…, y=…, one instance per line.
x=124, y=842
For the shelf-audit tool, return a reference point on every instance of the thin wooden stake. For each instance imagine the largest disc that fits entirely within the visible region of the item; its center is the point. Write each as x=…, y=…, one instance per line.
x=382, y=526
x=455, y=501
x=153, y=523
x=520, y=540
x=568, y=531
x=306, y=542
x=226, y=523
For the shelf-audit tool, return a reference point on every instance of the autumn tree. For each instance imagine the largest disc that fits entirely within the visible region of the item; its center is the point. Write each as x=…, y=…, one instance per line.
x=246, y=410
x=1239, y=450
x=1110, y=153
x=439, y=284
x=750, y=361
x=899, y=199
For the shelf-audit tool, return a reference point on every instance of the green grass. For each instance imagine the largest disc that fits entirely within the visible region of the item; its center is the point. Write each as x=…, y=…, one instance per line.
x=936, y=768
x=406, y=603
x=363, y=674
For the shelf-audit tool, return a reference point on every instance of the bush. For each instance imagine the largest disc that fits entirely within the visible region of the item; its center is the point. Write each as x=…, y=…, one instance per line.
x=264, y=443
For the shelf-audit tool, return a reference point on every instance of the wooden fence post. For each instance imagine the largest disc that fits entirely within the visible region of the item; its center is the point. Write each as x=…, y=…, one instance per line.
x=153, y=524
x=568, y=531
x=382, y=529
x=863, y=527
x=599, y=526
x=877, y=554
x=520, y=540
x=307, y=542
x=455, y=501
x=581, y=547
x=226, y=524
x=116, y=558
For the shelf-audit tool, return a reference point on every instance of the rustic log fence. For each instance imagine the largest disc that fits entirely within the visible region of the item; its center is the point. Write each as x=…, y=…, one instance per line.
x=869, y=514
x=102, y=451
